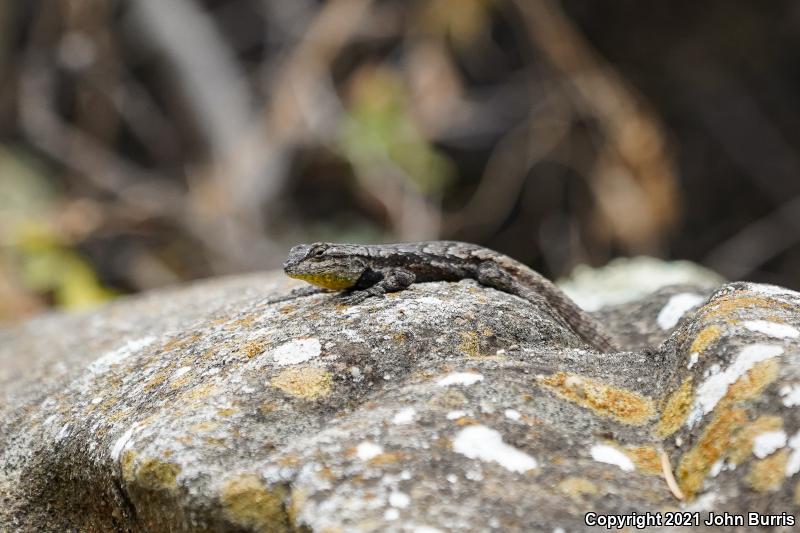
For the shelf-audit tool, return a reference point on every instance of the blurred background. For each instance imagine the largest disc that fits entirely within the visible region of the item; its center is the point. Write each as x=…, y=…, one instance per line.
x=145, y=143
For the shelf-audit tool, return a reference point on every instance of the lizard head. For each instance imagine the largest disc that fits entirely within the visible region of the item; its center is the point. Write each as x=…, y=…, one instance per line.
x=325, y=265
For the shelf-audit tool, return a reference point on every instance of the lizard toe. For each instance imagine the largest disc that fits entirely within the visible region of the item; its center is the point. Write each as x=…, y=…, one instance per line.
x=353, y=298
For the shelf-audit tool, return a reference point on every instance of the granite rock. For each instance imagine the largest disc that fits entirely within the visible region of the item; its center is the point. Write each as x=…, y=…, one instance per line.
x=236, y=405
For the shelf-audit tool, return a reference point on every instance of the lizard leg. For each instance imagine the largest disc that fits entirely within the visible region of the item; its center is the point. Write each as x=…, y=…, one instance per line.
x=393, y=280
x=492, y=275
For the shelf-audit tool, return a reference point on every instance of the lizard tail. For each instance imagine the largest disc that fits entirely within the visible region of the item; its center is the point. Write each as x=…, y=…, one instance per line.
x=511, y=276
x=581, y=322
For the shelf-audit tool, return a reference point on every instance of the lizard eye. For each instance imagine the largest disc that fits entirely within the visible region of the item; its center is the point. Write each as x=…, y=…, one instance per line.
x=319, y=252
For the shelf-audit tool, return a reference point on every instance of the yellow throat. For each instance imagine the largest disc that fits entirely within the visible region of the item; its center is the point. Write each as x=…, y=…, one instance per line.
x=326, y=281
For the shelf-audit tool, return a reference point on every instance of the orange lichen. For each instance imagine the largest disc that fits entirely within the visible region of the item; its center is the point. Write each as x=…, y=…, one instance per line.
x=768, y=474
x=212, y=354
x=206, y=425
x=712, y=445
x=676, y=410
x=299, y=497
x=625, y=406
x=181, y=381
x=326, y=473
x=156, y=381
x=450, y=399
x=240, y=323
x=287, y=309
x=722, y=437
x=307, y=382
x=289, y=459
x=742, y=445
x=470, y=344
x=117, y=414
x=753, y=382
x=729, y=307
x=646, y=458
x=200, y=392
x=127, y=465
x=155, y=474
x=267, y=407
x=248, y=504
x=386, y=458
x=180, y=342
x=254, y=348
x=576, y=487
x=705, y=338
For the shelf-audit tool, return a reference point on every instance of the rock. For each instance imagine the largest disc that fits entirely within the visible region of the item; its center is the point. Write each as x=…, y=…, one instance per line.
x=230, y=405
x=628, y=279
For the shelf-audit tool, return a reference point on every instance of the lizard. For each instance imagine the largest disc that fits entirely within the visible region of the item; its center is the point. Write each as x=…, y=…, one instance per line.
x=365, y=270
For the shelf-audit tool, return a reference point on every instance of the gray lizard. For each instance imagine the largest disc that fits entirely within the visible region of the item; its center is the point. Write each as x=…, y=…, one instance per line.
x=373, y=270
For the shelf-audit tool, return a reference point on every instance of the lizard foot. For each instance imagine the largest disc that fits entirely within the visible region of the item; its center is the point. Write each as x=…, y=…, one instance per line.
x=354, y=298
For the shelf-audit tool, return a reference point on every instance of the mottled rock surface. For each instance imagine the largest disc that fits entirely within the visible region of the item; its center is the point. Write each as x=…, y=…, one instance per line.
x=447, y=407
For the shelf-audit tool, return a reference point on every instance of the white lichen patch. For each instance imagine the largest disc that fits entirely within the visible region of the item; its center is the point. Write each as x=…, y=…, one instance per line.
x=367, y=450
x=426, y=529
x=790, y=394
x=123, y=442
x=772, y=329
x=604, y=453
x=512, y=414
x=455, y=415
x=352, y=310
x=114, y=357
x=486, y=444
x=676, y=307
x=351, y=335
x=773, y=290
x=766, y=443
x=402, y=308
x=704, y=502
x=179, y=372
x=430, y=301
x=398, y=499
x=460, y=378
x=404, y=416
x=793, y=463
x=296, y=351
x=64, y=433
x=711, y=391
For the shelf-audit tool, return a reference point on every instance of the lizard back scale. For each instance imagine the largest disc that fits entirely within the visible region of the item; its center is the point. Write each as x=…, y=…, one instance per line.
x=372, y=270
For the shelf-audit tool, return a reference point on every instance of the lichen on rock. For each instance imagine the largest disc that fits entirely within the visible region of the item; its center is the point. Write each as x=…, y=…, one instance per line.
x=230, y=405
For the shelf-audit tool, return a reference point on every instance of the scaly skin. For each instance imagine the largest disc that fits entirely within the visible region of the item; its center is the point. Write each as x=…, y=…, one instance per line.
x=372, y=270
